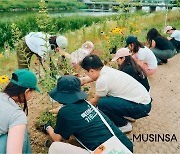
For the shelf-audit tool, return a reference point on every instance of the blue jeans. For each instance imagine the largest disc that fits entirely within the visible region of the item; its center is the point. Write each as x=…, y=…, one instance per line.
x=163, y=54
x=117, y=108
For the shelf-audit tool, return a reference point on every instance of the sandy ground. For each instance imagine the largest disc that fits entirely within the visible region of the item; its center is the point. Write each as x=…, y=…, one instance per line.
x=164, y=118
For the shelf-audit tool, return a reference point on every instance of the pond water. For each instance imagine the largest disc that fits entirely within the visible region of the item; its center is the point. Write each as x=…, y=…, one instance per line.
x=16, y=15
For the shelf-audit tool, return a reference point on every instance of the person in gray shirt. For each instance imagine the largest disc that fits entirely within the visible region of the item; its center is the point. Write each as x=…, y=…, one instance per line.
x=13, y=132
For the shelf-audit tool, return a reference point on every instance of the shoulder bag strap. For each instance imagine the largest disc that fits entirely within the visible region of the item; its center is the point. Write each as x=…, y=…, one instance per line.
x=104, y=121
x=102, y=118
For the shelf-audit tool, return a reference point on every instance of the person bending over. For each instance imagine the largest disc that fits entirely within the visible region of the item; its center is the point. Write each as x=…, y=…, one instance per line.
x=117, y=94
x=174, y=36
x=40, y=44
x=142, y=55
x=161, y=47
x=78, y=118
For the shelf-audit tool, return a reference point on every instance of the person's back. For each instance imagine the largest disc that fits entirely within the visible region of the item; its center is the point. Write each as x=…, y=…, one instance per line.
x=123, y=86
x=82, y=121
x=12, y=118
x=162, y=48
x=38, y=43
x=175, y=39
x=79, y=118
x=176, y=35
x=163, y=43
x=143, y=80
x=11, y=109
x=148, y=57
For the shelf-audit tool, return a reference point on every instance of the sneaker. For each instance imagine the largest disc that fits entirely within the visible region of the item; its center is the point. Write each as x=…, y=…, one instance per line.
x=127, y=128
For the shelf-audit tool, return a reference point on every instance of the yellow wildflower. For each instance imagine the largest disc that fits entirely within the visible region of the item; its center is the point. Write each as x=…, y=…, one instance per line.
x=0, y=55
x=4, y=79
x=117, y=30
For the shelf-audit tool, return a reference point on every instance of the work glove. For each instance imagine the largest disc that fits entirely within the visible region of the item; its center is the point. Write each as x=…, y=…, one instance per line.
x=46, y=126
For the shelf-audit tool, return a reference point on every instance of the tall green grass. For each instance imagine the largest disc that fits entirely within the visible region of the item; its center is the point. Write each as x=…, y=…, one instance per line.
x=9, y=5
x=57, y=25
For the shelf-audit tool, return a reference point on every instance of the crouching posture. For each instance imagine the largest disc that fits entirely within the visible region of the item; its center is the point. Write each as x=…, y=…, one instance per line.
x=14, y=136
x=118, y=94
x=40, y=44
x=79, y=118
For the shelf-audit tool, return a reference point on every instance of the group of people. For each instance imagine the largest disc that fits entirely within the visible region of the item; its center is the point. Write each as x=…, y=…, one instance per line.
x=121, y=95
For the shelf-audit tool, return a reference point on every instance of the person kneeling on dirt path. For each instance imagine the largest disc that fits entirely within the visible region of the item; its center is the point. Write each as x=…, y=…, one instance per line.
x=160, y=46
x=78, y=118
x=14, y=136
x=128, y=65
x=40, y=44
x=118, y=94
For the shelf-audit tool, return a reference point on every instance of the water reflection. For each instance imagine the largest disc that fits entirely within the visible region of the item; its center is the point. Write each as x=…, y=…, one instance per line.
x=16, y=15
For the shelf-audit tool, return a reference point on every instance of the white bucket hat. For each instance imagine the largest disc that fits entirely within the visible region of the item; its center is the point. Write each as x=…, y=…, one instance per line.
x=62, y=42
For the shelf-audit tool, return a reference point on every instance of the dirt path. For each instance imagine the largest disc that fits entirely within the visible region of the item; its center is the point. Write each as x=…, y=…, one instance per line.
x=165, y=114
x=164, y=117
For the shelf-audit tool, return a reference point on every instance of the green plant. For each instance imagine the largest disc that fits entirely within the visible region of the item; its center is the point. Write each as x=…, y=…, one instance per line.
x=44, y=118
x=43, y=19
x=16, y=33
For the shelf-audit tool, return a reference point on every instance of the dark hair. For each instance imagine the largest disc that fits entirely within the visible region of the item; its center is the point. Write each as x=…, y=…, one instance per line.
x=136, y=68
x=91, y=62
x=173, y=28
x=152, y=34
x=137, y=45
x=52, y=42
x=14, y=90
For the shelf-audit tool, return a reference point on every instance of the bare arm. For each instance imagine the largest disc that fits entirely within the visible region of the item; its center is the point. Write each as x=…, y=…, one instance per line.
x=153, y=44
x=54, y=136
x=94, y=101
x=85, y=79
x=140, y=63
x=15, y=139
x=169, y=38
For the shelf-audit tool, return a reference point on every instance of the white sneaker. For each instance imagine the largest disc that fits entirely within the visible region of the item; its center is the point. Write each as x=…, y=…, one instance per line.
x=127, y=128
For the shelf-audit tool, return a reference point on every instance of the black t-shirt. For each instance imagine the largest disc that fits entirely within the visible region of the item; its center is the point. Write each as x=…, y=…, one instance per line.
x=175, y=43
x=129, y=70
x=82, y=121
x=163, y=43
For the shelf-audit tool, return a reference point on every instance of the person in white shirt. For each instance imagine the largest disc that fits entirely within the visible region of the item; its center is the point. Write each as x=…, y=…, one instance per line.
x=117, y=94
x=78, y=55
x=142, y=55
x=40, y=44
x=174, y=36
